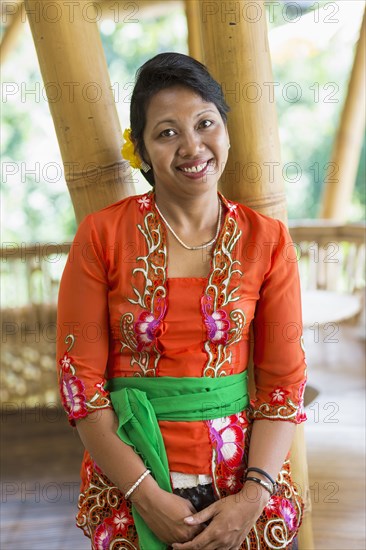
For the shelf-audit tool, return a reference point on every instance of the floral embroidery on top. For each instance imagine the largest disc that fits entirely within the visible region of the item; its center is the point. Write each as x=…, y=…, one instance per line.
x=278, y=396
x=217, y=323
x=301, y=415
x=147, y=327
x=73, y=396
x=224, y=328
x=141, y=336
x=65, y=362
x=72, y=388
x=227, y=436
x=144, y=202
x=232, y=207
x=281, y=407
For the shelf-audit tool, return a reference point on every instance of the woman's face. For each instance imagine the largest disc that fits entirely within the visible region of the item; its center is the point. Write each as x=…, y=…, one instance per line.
x=186, y=141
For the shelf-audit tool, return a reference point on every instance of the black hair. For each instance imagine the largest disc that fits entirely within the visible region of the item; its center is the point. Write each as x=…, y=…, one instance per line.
x=164, y=71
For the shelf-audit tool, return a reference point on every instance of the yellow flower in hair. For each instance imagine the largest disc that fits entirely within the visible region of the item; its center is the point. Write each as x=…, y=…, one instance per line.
x=128, y=150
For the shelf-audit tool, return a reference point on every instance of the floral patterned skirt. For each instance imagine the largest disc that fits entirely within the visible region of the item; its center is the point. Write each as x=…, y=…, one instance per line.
x=106, y=517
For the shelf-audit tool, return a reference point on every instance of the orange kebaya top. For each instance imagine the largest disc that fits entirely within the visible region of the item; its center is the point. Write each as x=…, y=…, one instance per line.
x=119, y=314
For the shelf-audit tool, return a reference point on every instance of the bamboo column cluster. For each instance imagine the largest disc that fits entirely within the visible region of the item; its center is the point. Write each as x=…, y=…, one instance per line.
x=235, y=50
x=76, y=79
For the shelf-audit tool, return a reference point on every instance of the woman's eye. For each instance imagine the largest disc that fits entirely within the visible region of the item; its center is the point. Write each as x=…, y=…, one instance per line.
x=169, y=132
x=206, y=123
x=165, y=133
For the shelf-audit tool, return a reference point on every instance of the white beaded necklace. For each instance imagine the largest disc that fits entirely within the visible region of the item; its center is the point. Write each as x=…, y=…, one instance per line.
x=194, y=247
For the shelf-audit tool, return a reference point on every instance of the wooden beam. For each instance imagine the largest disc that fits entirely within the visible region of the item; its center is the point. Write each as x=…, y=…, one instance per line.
x=341, y=175
x=82, y=106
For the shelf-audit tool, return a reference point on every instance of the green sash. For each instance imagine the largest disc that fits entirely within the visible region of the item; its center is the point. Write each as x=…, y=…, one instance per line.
x=139, y=402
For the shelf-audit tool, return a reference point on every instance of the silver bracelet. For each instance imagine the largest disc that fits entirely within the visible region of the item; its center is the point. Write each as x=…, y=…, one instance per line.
x=130, y=491
x=265, y=474
x=267, y=486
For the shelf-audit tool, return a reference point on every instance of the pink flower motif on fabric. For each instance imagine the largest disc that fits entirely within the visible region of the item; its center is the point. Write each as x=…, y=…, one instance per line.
x=278, y=506
x=272, y=506
x=230, y=480
x=301, y=416
x=227, y=436
x=278, y=396
x=66, y=362
x=144, y=202
x=121, y=520
x=100, y=387
x=112, y=527
x=232, y=207
x=73, y=396
x=103, y=536
x=217, y=322
x=288, y=513
x=147, y=328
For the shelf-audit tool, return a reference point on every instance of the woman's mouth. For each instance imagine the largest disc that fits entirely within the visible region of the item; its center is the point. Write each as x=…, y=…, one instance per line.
x=198, y=170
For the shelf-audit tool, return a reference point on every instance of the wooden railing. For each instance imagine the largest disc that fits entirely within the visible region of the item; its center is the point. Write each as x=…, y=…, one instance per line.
x=330, y=257
x=30, y=277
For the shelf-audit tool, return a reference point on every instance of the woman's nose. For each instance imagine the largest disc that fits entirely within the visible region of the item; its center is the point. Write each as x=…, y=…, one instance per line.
x=190, y=144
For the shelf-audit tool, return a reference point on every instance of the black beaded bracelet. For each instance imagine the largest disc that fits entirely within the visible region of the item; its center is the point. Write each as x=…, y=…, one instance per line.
x=259, y=471
x=264, y=484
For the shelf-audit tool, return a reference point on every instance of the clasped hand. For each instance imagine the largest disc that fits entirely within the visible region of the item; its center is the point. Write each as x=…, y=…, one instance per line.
x=231, y=520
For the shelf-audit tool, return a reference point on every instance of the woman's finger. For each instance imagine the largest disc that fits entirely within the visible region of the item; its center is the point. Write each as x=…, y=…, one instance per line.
x=201, y=516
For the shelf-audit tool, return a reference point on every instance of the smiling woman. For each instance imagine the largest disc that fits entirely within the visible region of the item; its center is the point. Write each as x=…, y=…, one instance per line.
x=176, y=453
x=191, y=145
x=191, y=77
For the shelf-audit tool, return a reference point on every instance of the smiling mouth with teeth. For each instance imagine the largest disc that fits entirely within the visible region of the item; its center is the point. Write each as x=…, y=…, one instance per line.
x=196, y=169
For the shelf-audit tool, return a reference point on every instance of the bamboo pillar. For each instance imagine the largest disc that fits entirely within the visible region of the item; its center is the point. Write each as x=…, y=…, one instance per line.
x=82, y=105
x=195, y=48
x=235, y=42
x=13, y=11
x=236, y=51
x=341, y=175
